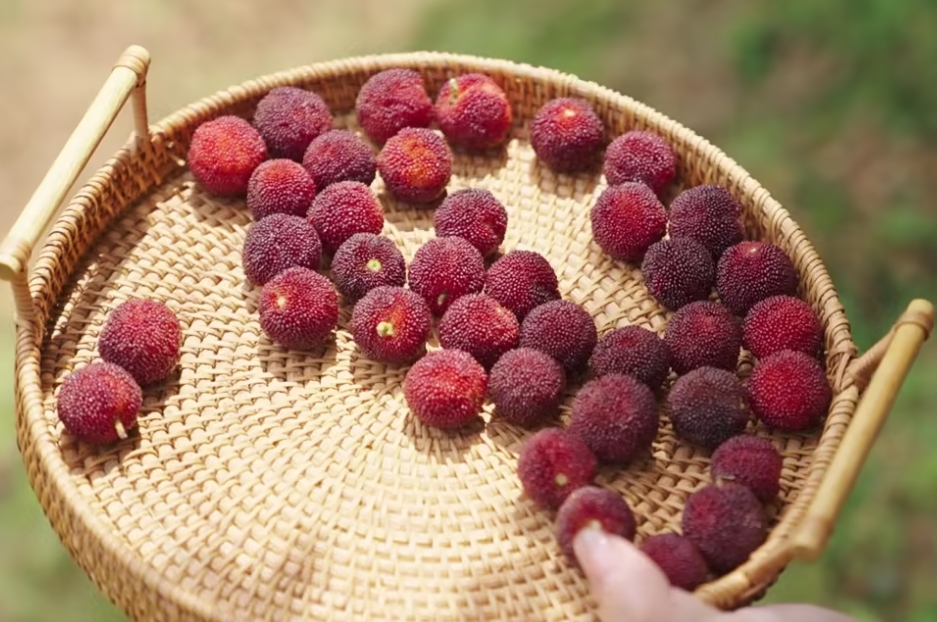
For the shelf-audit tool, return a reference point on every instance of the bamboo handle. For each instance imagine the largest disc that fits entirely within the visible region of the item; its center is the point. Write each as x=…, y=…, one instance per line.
x=128, y=76
x=907, y=337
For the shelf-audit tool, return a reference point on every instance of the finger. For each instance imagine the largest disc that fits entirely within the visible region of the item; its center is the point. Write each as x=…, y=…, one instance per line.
x=628, y=586
x=789, y=613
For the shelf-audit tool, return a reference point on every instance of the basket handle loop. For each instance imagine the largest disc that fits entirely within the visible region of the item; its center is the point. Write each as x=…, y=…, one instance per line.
x=896, y=353
x=128, y=76
x=862, y=368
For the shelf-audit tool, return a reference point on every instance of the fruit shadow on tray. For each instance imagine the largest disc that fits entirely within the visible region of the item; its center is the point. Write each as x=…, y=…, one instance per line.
x=230, y=214
x=85, y=460
x=469, y=166
x=385, y=384
x=105, y=282
x=88, y=288
x=565, y=185
x=406, y=217
x=478, y=164
x=289, y=365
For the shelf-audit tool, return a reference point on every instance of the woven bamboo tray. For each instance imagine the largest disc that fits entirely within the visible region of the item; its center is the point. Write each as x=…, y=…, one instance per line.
x=272, y=485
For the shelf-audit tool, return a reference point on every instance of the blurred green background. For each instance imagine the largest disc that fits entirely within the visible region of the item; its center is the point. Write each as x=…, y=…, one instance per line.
x=830, y=104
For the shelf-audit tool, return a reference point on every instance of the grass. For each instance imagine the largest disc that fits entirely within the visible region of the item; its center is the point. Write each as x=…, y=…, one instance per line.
x=34, y=564
x=830, y=106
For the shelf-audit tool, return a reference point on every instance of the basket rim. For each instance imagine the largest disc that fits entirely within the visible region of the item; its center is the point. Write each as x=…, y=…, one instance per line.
x=757, y=572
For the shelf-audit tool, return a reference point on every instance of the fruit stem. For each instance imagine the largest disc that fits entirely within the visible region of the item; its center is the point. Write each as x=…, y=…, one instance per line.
x=121, y=430
x=385, y=329
x=374, y=265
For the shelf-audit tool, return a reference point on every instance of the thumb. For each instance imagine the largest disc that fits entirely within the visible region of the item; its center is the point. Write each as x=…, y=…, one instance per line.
x=628, y=586
x=789, y=613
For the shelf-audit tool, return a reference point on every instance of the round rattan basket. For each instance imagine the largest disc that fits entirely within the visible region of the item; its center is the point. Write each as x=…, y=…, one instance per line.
x=268, y=484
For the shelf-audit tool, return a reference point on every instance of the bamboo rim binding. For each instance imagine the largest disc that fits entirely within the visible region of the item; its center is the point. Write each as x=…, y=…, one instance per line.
x=806, y=529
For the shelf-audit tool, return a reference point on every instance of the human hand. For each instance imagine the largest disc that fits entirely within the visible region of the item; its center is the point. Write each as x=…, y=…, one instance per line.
x=629, y=587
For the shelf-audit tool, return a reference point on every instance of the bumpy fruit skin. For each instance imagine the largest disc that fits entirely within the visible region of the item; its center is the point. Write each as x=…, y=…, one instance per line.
x=339, y=155
x=751, y=461
x=416, y=165
x=567, y=135
x=552, y=464
x=289, y=118
x=678, y=558
x=678, y=272
x=95, y=398
x=635, y=351
x=342, y=210
x=279, y=187
x=526, y=386
x=727, y=524
x=562, y=329
x=751, y=271
x=144, y=337
x=592, y=507
x=616, y=416
x=298, y=308
x=626, y=219
x=710, y=215
x=703, y=333
x=782, y=323
x=365, y=261
x=224, y=153
x=446, y=389
x=789, y=391
x=708, y=406
x=479, y=325
x=474, y=214
x=640, y=156
x=473, y=111
x=278, y=242
x=445, y=269
x=391, y=325
x=522, y=280
x=390, y=101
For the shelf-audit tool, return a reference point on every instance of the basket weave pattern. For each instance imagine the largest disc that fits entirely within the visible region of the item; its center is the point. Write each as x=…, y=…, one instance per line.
x=273, y=484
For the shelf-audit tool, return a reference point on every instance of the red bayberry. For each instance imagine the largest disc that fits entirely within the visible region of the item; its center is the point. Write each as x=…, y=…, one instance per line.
x=479, y=325
x=552, y=464
x=144, y=337
x=444, y=269
x=279, y=187
x=567, y=135
x=446, y=388
x=616, y=416
x=224, y=153
x=289, y=118
x=99, y=403
x=278, y=242
x=522, y=280
x=391, y=325
x=415, y=164
x=526, y=386
x=474, y=214
x=473, y=111
x=789, y=391
x=339, y=155
x=391, y=100
x=344, y=209
x=298, y=308
x=640, y=156
x=626, y=219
